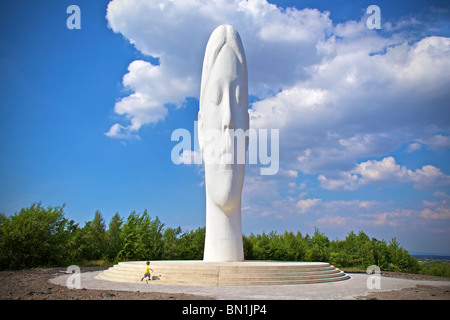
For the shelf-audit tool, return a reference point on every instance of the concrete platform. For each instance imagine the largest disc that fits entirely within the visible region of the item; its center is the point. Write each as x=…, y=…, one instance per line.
x=341, y=290
x=245, y=273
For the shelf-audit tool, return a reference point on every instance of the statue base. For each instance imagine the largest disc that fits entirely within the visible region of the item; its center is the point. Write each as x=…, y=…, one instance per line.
x=244, y=273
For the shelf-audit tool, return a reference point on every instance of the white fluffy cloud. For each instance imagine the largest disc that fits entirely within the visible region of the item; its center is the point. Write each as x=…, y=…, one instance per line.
x=438, y=142
x=304, y=205
x=336, y=92
x=279, y=45
x=367, y=96
x=386, y=171
x=438, y=209
x=352, y=214
x=152, y=88
x=432, y=214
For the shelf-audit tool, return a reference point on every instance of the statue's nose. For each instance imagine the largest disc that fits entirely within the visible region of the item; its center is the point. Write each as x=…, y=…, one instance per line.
x=227, y=120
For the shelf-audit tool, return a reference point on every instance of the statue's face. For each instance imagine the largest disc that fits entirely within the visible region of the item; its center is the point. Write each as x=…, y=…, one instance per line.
x=224, y=110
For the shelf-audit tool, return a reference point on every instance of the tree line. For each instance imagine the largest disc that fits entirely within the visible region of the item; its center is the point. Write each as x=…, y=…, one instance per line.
x=44, y=237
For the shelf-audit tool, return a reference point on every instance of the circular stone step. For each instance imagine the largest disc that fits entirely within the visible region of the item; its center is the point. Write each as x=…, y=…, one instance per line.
x=245, y=273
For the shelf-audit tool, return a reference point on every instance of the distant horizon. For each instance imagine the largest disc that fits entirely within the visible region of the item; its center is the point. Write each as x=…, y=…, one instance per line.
x=429, y=254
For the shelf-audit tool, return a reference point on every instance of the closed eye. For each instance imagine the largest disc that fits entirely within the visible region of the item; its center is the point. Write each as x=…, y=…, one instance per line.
x=239, y=96
x=216, y=96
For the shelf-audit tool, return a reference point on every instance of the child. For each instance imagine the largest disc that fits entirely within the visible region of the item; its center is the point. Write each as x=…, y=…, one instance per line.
x=147, y=272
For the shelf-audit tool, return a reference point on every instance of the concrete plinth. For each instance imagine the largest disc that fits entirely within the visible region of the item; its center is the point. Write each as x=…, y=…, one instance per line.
x=245, y=273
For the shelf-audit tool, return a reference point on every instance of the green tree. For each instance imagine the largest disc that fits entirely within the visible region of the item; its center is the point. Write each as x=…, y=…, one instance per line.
x=261, y=249
x=171, y=244
x=113, y=239
x=73, y=244
x=192, y=244
x=153, y=239
x=436, y=268
x=95, y=238
x=400, y=260
x=318, y=249
x=381, y=253
x=141, y=238
x=294, y=246
x=33, y=237
x=365, y=250
x=131, y=239
x=338, y=255
x=248, y=244
x=278, y=247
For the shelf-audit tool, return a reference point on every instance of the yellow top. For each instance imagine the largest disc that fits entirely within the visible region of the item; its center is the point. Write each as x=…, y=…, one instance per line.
x=147, y=269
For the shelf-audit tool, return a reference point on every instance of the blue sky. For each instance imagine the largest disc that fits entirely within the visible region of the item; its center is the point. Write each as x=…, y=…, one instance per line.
x=87, y=115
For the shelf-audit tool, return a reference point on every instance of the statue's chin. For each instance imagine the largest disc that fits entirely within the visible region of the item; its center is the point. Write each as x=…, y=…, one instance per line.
x=225, y=189
x=229, y=203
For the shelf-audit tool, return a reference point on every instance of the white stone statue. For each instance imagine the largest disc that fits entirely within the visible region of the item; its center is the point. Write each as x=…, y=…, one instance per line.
x=223, y=111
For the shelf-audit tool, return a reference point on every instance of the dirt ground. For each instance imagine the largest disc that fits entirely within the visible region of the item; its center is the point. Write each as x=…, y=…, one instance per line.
x=34, y=285
x=419, y=292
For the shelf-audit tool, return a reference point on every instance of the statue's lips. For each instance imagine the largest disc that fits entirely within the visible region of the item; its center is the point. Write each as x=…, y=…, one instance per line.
x=227, y=157
x=227, y=168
